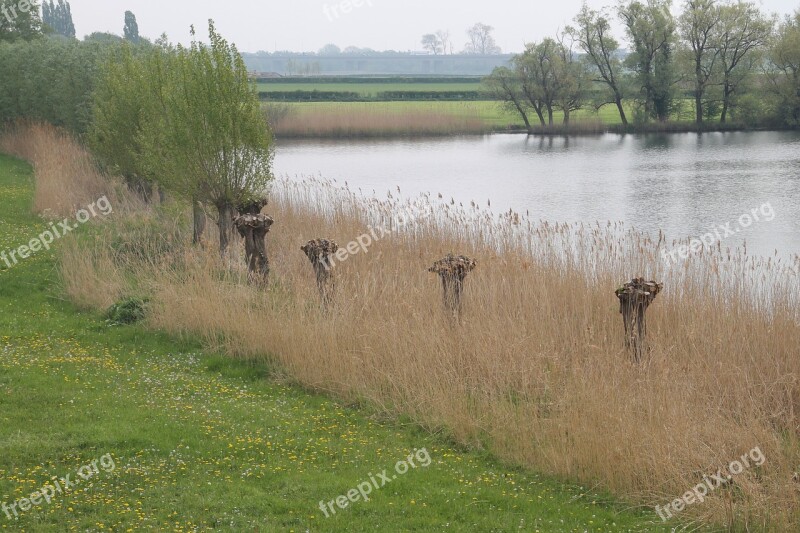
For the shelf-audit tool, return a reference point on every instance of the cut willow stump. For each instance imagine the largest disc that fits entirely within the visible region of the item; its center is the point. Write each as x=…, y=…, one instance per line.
x=252, y=207
x=319, y=252
x=254, y=229
x=453, y=270
x=634, y=299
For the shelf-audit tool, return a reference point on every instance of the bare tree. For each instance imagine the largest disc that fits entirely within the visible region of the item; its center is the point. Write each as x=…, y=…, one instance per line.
x=481, y=40
x=444, y=40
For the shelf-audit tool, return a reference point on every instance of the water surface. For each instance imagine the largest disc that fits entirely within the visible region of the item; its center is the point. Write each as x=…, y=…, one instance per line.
x=685, y=184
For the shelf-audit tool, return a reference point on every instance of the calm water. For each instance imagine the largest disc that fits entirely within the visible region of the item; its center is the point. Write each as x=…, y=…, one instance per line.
x=684, y=184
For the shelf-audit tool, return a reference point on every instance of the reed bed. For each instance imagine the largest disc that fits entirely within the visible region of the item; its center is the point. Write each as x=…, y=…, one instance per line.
x=535, y=372
x=372, y=121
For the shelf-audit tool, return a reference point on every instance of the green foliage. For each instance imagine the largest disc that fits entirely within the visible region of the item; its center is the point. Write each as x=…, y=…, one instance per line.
x=119, y=107
x=19, y=21
x=51, y=81
x=205, y=135
x=784, y=74
x=58, y=17
x=127, y=311
x=651, y=30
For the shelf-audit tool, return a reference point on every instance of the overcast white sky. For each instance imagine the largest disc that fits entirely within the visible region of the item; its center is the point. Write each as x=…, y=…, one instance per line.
x=303, y=25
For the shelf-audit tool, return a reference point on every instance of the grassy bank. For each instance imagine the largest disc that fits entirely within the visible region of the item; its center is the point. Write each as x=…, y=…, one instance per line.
x=531, y=376
x=199, y=441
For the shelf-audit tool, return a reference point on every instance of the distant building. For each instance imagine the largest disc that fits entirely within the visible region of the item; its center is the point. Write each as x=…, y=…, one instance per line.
x=377, y=64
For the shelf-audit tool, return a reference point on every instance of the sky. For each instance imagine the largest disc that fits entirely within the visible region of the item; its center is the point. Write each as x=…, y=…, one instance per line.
x=307, y=25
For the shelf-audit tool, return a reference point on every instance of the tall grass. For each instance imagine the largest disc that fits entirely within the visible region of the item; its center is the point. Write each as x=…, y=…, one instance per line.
x=372, y=121
x=536, y=371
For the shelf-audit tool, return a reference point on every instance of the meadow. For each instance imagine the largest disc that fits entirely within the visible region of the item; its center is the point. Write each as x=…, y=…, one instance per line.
x=535, y=374
x=200, y=440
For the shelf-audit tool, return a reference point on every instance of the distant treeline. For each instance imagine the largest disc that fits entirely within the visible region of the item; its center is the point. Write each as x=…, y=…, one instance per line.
x=370, y=79
x=384, y=96
x=735, y=62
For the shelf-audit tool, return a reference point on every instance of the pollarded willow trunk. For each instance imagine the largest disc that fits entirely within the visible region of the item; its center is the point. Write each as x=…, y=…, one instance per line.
x=254, y=229
x=199, y=219
x=320, y=252
x=634, y=299
x=225, y=224
x=252, y=207
x=453, y=271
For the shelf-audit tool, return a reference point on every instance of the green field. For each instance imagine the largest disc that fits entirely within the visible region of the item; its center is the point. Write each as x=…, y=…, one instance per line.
x=200, y=442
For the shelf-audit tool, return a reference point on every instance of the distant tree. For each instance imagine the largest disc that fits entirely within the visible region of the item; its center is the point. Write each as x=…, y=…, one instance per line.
x=504, y=85
x=784, y=71
x=19, y=21
x=58, y=17
x=131, y=29
x=698, y=28
x=481, y=40
x=592, y=32
x=572, y=78
x=431, y=43
x=743, y=33
x=102, y=37
x=651, y=30
x=444, y=40
x=330, y=50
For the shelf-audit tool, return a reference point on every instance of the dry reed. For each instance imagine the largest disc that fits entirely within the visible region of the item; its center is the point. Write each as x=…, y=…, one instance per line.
x=536, y=372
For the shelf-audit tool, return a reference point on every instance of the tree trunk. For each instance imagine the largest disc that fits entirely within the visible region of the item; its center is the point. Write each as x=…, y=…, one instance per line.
x=550, y=114
x=225, y=225
x=566, y=116
x=540, y=115
x=199, y=217
x=726, y=98
x=618, y=101
x=698, y=106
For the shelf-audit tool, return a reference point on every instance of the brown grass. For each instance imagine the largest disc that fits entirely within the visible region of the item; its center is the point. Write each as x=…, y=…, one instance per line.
x=372, y=122
x=536, y=372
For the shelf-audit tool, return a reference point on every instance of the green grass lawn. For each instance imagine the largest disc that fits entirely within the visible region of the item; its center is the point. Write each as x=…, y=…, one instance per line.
x=200, y=442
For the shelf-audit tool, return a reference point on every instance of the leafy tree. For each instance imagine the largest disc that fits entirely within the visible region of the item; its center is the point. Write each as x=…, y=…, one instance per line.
x=58, y=17
x=481, y=40
x=698, y=28
x=120, y=109
x=551, y=78
x=743, y=33
x=784, y=71
x=592, y=32
x=504, y=85
x=651, y=29
x=206, y=137
x=329, y=50
x=52, y=81
x=131, y=29
x=19, y=21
